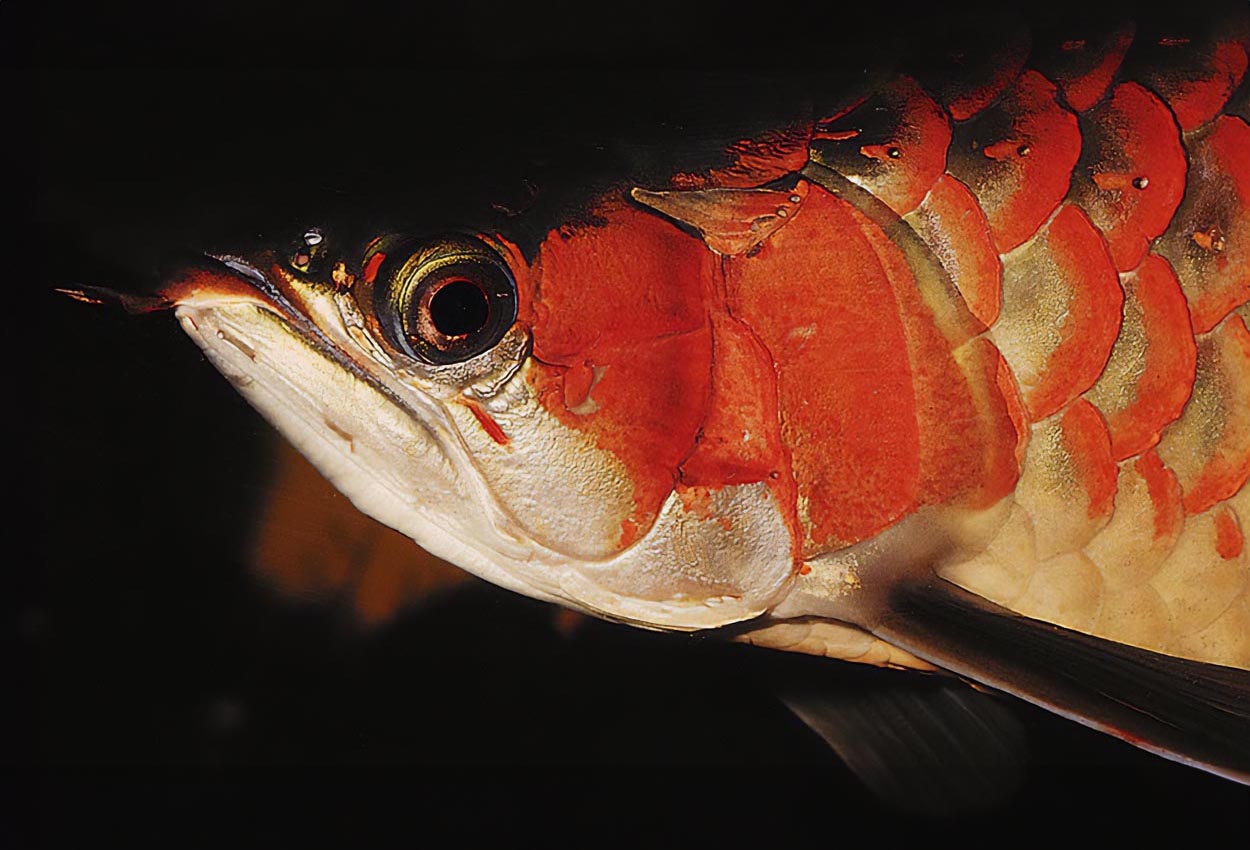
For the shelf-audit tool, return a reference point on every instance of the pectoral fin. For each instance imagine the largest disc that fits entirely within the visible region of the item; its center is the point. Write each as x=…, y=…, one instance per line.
x=922, y=744
x=1187, y=711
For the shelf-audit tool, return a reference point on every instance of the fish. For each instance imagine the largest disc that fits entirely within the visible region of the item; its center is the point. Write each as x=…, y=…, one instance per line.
x=950, y=373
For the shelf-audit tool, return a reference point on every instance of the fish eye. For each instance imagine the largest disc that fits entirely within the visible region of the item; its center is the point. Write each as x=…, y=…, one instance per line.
x=446, y=301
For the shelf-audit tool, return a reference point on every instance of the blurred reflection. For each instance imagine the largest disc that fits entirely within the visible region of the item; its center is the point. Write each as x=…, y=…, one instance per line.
x=311, y=543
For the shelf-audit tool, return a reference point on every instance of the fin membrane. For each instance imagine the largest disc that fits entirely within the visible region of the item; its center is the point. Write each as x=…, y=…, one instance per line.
x=1190, y=712
x=922, y=744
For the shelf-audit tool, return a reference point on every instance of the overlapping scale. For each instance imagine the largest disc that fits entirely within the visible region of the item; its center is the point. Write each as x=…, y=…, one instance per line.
x=975, y=61
x=1131, y=508
x=1208, y=241
x=1227, y=640
x=1017, y=158
x=1200, y=586
x=1083, y=57
x=893, y=144
x=1131, y=175
x=1002, y=572
x=1061, y=312
x=1239, y=504
x=1150, y=372
x=968, y=438
x=1068, y=483
x=1135, y=615
x=1194, y=62
x=1239, y=103
x=1034, y=563
x=1066, y=589
x=1146, y=520
x=1230, y=542
x=1209, y=445
x=1000, y=421
x=952, y=224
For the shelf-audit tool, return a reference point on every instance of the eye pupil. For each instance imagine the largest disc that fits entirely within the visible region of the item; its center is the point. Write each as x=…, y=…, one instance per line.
x=459, y=307
x=444, y=300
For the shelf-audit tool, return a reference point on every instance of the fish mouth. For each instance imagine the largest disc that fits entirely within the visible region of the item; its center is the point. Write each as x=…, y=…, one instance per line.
x=291, y=350
x=381, y=431
x=218, y=280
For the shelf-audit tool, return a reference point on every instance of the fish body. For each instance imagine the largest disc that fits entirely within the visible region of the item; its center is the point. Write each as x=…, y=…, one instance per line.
x=967, y=347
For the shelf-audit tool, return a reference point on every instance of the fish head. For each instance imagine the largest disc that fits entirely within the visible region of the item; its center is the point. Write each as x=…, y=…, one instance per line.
x=408, y=369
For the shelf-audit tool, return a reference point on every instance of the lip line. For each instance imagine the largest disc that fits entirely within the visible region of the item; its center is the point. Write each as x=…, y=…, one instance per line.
x=350, y=457
x=566, y=584
x=263, y=293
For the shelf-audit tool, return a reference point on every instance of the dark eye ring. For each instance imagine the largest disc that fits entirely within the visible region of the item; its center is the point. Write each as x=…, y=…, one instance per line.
x=446, y=300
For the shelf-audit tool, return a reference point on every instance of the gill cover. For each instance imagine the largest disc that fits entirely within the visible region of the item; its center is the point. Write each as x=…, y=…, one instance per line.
x=410, y=387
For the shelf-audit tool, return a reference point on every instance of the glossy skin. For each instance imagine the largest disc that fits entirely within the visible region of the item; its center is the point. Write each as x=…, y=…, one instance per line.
x=211, y=519
x=1112, y=362
x=773, y=388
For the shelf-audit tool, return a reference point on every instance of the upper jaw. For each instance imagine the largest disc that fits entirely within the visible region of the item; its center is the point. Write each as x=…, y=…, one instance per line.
x=291, y=350
x=309, y=310
x=379, y=428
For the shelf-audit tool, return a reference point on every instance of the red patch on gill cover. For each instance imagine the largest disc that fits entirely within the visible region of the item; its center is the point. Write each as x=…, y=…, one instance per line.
x=1088, y=444
x=1156, y=332
x=894, y=144
x=627, y=279
x=1084, y=67
x=818, y=299
x=952, y=224
x=622, y=344
x=1132, y=171
x=817, y=364
x=740, y=440
x=1017, y=158
x=1228, y=538
x=1165, y=495
x=959, y=439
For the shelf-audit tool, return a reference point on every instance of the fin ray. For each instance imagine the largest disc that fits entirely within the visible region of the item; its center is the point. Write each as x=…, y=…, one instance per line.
x=921, y=744
x=1190, y=712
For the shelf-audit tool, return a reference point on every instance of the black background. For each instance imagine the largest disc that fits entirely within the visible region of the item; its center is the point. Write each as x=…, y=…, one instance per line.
x=161, y=689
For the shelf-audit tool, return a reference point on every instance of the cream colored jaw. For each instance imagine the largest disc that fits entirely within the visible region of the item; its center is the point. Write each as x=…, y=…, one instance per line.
x=396, y=454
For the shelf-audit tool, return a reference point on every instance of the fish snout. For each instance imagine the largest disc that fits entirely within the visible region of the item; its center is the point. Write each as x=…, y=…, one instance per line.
x=180, y=276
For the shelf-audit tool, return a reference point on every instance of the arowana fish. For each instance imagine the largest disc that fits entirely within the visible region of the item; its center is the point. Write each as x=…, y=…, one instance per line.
x=952, y=372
